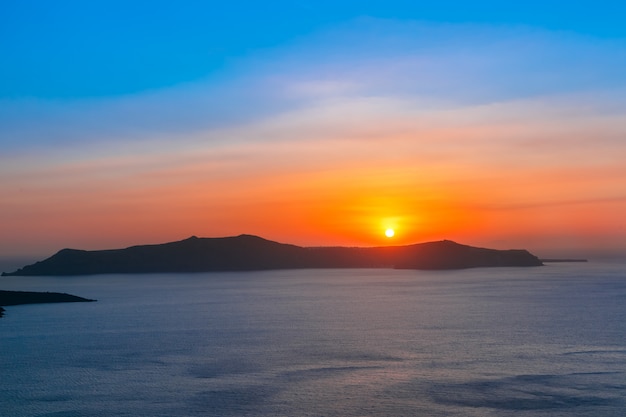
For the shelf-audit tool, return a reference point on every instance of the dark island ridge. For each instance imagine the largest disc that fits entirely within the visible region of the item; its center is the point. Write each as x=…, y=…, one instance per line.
x=251, y=253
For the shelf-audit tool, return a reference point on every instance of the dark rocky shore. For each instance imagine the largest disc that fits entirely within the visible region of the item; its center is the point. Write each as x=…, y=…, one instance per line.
x=12, y=298
x=250, y=253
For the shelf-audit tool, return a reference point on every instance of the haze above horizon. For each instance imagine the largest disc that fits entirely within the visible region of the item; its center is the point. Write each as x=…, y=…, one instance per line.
x=313, y=123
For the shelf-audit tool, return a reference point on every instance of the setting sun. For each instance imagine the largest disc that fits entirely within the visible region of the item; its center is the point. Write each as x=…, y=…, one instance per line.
x=389, y=232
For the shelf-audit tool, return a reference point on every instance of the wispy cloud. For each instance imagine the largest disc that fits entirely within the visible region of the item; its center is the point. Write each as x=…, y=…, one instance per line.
x=433, y=65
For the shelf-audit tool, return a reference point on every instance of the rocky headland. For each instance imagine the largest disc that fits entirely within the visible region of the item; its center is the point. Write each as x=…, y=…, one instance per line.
x=12, y=298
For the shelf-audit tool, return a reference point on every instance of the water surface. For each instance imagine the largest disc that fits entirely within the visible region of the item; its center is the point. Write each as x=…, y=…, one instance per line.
x=545, y=341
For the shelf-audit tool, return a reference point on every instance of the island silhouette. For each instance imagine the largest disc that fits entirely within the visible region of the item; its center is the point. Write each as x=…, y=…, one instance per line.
x=251, y=253
x=13, y=298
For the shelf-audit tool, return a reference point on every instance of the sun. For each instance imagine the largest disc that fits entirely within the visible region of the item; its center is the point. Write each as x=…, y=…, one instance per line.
x=389, y=232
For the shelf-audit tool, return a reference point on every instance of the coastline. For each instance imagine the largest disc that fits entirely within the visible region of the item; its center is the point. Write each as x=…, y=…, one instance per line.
x=12, y=298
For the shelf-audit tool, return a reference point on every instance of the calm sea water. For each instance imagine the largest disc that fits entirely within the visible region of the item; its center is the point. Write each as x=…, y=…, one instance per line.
x=547, y=341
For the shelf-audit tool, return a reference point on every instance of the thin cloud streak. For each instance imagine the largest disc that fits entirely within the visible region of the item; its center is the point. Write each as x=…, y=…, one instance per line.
x=440, y=65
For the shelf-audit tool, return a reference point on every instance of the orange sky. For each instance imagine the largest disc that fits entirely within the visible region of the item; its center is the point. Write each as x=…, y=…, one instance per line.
x=514, y=183
x=337, y=155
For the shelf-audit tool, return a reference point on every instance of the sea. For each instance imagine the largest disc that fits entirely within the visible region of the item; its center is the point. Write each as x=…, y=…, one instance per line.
x=539, y=341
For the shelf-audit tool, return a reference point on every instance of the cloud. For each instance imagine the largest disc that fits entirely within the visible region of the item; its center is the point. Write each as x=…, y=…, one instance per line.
x=433, y=65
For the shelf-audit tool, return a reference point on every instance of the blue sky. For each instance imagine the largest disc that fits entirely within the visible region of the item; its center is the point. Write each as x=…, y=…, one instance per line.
x=86, y=69
x=70, y=49
x=117, y=116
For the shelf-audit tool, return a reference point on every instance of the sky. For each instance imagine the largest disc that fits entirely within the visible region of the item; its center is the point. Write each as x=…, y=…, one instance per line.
x=313, y=122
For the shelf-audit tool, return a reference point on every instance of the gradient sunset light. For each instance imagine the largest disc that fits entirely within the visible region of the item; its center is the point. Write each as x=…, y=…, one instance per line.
x=313, y=123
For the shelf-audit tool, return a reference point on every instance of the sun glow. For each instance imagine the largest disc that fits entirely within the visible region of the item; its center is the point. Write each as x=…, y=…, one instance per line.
x=389, y=232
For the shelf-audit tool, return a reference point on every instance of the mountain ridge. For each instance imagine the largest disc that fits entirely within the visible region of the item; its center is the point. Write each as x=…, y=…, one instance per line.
x=248, y=253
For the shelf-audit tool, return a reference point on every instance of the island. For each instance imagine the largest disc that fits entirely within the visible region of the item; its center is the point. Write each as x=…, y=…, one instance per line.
x=252, y=253
x=12, y=298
